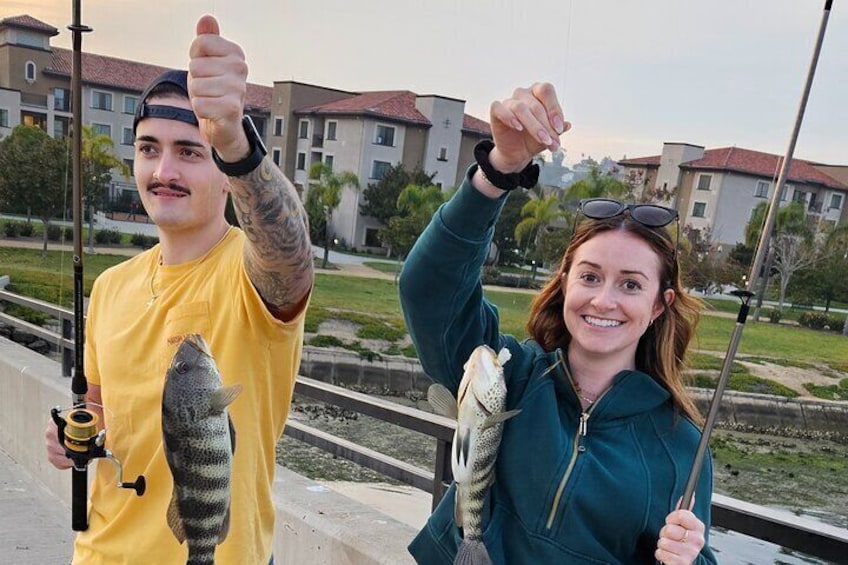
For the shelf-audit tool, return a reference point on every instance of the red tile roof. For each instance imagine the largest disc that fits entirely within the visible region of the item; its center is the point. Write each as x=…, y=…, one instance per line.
x=760, y=164
x=476, y=125
x=746, y=161
x=396, y=105
x=133, y=76
x=28, y=22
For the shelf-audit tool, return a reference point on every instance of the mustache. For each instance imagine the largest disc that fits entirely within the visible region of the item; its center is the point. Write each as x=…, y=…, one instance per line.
x=153, y=185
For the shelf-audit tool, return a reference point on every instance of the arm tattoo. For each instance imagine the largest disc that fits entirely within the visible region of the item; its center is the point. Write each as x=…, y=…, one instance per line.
x=278, y=256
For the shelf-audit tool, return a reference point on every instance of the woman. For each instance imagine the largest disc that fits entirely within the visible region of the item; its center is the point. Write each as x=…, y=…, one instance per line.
x=593, y=467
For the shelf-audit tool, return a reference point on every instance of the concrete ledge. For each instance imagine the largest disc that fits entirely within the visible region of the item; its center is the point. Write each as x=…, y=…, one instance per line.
x=315, y=525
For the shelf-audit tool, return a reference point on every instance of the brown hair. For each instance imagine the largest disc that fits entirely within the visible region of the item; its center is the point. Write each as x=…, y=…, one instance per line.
x=662, y=348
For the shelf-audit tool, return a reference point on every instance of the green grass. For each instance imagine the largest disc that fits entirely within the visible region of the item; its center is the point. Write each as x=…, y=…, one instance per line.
x=744, y=383
x=829, y=392
x=383, y=267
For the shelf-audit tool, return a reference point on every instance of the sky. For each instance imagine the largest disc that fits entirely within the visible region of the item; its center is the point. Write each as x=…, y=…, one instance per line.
x=630, y=75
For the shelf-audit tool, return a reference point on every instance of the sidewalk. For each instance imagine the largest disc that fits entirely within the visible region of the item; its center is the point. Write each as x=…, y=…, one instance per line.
x=35, y=526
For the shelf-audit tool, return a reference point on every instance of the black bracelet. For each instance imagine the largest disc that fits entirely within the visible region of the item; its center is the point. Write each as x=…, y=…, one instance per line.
x=526, y=178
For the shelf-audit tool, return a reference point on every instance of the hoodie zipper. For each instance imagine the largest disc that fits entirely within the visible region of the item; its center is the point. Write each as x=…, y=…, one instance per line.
x=578, y=447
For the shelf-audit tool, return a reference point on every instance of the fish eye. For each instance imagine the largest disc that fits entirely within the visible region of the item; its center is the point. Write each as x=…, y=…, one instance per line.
x=181, y=367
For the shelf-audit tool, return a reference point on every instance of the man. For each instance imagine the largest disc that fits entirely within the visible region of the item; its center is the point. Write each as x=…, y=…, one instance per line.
x=245, y=291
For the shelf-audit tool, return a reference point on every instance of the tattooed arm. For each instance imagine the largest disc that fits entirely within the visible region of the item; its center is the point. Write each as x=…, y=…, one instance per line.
x=278, y=256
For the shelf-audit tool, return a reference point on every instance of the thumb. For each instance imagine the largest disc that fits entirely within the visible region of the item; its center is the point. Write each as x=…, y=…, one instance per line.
x=208, y=25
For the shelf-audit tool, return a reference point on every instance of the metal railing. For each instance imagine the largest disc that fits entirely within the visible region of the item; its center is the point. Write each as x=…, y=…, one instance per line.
x=799, y=534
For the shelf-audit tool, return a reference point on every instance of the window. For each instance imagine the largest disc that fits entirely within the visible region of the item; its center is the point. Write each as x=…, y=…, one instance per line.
x=127, y=136
x=275, y=155
x=328, y=159
x=130, y=104
x=835, y=201
x=62, y=99
x=303, y=129
x=762, y=189
x=278, y=127
x=4, y=118
x=29, y=72
x=130, y=163
x=783, y=193
x=61, y=127
x=101, y=100
x=102, y=129
x=699, y=209
x=331, y=130
x=379, y=169
x=301, y=161
x=443, y=154
x=385, y=136
x=798, y=196
x=704, y=182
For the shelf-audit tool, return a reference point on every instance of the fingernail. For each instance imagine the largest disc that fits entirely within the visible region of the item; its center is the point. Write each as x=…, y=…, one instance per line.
x=558, y=125
x=516, y=125
x=544, y=138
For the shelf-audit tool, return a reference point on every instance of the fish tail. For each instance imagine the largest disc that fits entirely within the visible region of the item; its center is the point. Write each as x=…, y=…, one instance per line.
x=472, y=552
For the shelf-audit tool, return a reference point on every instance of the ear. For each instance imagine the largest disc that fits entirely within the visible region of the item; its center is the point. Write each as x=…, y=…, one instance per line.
x=668, y=296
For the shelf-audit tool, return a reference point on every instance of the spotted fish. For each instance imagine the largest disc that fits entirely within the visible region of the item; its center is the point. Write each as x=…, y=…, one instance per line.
x=200, y=441
x=480, y=415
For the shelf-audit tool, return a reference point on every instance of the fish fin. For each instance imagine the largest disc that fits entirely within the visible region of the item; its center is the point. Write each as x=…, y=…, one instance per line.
x=225, y=527
x=442, y=401
x=472, y=552
x=499, y=418
x=223, y=397
x=232, y=434
x=175, y=521
x=504, y=355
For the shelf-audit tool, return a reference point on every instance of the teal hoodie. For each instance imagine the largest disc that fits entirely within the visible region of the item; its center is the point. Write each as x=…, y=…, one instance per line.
x=570, y=486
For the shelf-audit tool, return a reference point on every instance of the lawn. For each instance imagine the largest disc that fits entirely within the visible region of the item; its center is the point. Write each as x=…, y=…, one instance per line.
x=378, y=299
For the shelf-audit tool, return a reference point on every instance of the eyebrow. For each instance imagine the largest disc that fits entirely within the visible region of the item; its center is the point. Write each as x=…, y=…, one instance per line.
x=622, y=271
x=180, y=142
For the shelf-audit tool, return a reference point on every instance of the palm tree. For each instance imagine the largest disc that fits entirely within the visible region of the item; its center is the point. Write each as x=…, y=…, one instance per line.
x=537, y=214
x=596, y=185
x=329, y=186
x=98, y=161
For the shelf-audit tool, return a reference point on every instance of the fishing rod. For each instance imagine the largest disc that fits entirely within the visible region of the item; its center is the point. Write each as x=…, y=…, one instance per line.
x=762, y=247
x=78, y=430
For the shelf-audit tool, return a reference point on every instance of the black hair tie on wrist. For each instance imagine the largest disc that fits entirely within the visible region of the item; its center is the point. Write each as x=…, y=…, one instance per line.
x=526, y=178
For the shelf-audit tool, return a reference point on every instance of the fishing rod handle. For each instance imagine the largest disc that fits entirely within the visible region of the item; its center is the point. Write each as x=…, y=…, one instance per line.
x=79, y=499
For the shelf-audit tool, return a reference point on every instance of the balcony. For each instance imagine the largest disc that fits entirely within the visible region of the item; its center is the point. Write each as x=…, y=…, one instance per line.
x=318, y=140
x=37, y=100
x=815, y=207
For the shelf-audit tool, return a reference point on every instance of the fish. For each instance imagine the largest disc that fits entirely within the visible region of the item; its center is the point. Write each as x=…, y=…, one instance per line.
x=199, y=442
x=480, y=413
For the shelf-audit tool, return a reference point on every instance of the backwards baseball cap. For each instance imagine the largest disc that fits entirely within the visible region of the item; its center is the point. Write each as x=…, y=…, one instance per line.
x=145, y=110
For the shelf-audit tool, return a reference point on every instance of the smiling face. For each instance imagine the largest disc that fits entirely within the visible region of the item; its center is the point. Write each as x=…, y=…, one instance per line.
x=612, y=293
x=179, y=184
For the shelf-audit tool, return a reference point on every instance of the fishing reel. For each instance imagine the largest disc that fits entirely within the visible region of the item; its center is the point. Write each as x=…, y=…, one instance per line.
x=82, y=441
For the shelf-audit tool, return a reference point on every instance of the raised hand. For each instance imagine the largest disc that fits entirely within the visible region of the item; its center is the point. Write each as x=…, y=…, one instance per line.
x=217, y=85
x=524, y=124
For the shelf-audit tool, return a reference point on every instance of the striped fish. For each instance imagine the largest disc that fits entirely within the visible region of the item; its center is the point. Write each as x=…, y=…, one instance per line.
x=199, y=441
x=480, y=415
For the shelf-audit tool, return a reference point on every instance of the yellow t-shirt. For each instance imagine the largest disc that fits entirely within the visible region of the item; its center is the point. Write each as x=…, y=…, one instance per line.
x=128, y=349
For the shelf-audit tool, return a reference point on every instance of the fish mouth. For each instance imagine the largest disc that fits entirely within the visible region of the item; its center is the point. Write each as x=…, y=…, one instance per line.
x=196, y=341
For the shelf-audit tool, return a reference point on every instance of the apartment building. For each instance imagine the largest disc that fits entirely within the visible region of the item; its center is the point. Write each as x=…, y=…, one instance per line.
x=301, y=123
x=718, y=189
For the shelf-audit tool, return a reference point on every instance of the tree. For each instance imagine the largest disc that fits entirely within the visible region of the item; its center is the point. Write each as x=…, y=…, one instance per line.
x=537, y=214
x=34, y=173
x=380, y=198
x=329, y=186
x=504, y=238
x=596, y=185
x=98, y=161
x=791, y=246
x=417, y=204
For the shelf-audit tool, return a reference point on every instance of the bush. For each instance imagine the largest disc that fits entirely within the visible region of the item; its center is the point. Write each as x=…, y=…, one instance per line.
x=12, y=229
x=107, y=236
x=813, y=320
x=774, y=315
x=27, y=229
x=57, y=233
x=144, y=241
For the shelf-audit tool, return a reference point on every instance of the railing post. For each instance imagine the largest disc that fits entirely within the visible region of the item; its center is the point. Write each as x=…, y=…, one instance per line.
x=67, y=352
x=443, y=474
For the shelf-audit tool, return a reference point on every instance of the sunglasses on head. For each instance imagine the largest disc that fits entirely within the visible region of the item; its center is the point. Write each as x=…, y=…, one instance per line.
x=649, y=215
